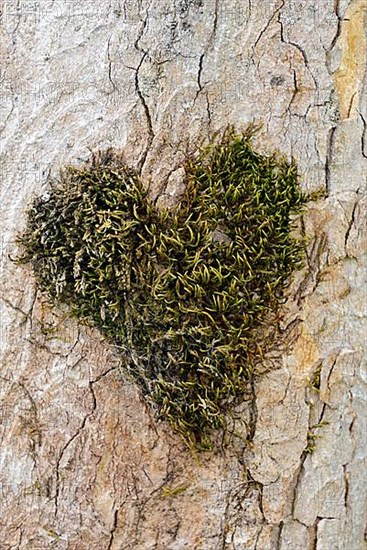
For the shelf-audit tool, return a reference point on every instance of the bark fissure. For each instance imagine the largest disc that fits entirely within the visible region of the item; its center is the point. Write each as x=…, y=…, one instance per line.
x=363, y=136
x=67, y=445
x=329, y=158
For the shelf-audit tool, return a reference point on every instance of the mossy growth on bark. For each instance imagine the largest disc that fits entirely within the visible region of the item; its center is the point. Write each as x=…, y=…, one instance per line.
x=184, y=293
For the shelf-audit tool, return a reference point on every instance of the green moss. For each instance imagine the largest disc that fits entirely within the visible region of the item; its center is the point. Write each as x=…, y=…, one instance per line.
x=315, y=381
x=312, y=437
x=186, y=293
x=168, y=491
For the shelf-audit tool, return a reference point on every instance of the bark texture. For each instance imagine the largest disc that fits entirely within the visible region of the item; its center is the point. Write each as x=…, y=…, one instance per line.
x=84, y=464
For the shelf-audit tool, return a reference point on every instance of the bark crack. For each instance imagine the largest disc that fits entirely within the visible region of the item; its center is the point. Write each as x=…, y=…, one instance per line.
x=269, y=22
x=329, y=158
x=346, y=486
x=208, y=45
x=279, y=536
x=141, y=96
x=208, y=110
x=113, y=529
x=295, y=92
x=67, y=445
x=294, y=45
x=363, y=136
x=350, y=225
x=339, y=26
x=112, y=82
x=200, y=86
x=99, y=377
x=314, y=534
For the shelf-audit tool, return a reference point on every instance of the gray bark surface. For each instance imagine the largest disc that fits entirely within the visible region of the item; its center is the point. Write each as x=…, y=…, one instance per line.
x=84, y=463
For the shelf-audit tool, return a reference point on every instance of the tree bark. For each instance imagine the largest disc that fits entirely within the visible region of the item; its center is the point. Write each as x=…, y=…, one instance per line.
x=84, y=463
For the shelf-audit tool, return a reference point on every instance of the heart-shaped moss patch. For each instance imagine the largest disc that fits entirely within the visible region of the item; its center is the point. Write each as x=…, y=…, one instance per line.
x=184, y=292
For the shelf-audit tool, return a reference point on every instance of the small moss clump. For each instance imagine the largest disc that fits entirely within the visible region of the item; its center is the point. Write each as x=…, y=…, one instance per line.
x=182, y=292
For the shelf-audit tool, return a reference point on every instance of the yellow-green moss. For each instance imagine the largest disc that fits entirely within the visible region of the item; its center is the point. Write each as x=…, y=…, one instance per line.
x=184, y=292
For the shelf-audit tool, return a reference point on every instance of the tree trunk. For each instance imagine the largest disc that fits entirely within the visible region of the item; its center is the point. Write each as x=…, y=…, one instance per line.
x=84, y=462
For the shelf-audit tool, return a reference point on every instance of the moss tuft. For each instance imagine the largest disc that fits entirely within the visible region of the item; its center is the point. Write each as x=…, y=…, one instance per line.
x=183, y=293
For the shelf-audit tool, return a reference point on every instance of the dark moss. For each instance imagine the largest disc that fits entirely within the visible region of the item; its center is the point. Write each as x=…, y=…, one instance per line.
x=184, y=293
